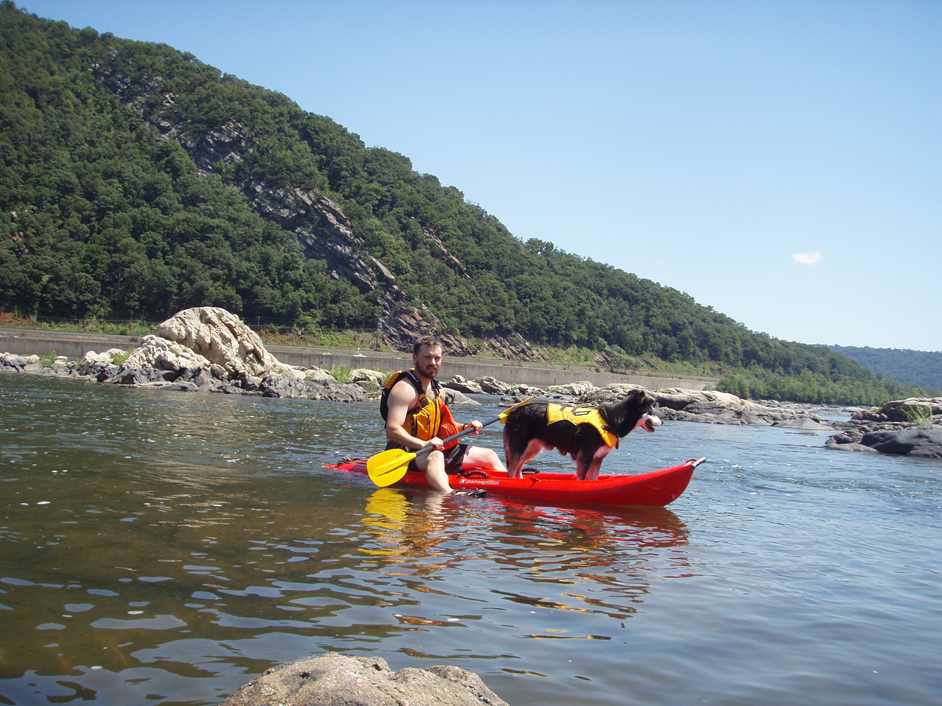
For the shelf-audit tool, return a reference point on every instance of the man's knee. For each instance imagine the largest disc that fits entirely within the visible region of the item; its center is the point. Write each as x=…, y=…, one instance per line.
x=490, y=456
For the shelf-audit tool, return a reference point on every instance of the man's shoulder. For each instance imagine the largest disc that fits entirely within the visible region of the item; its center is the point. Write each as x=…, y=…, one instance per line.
x=404, y=388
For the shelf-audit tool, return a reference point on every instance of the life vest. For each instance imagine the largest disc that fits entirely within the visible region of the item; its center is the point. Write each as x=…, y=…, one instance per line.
x=582, y=415
x=428, y=417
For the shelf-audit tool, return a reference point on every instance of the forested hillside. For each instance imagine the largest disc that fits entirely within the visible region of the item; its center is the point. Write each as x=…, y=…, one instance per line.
x=136, y=181
x=921, y=368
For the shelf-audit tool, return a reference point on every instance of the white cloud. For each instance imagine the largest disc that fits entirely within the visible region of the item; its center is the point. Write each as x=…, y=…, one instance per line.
x=807, y=258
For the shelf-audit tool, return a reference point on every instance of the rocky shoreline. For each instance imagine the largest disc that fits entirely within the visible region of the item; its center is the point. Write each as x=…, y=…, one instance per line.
x=208, y=349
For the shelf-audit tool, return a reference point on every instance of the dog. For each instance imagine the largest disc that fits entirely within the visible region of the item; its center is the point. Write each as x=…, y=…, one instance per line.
x=587, y=434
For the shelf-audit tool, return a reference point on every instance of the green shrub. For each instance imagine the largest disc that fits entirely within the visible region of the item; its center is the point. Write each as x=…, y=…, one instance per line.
x=340, y=373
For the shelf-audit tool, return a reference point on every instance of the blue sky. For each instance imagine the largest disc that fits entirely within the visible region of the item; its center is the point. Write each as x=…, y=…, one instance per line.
x=778, y=161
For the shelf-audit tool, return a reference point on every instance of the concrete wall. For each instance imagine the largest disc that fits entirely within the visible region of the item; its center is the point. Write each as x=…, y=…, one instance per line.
x=75, y=345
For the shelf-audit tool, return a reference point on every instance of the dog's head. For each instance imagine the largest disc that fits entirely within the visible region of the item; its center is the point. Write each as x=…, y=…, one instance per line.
x=636, y=411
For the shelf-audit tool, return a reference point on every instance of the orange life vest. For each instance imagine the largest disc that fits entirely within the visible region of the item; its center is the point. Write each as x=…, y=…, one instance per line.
x=429, y=416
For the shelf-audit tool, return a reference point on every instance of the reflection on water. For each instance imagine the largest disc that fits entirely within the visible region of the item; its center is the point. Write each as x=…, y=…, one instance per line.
x=164, y=548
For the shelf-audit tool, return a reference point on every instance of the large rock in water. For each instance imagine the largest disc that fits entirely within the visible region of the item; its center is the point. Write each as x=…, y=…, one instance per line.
x=912, y=409
x=222, y=338
x=209, y=348
x=337, y=680
x=922, y=442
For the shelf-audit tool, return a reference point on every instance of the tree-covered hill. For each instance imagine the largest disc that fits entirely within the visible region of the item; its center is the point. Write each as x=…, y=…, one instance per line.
x=921, y=368
x=136, y=181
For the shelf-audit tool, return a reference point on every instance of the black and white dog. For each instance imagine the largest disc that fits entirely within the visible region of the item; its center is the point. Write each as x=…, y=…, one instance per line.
x=587, y=434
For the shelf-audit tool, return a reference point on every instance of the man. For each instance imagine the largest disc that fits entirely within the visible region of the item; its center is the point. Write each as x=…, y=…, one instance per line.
x=415, y=413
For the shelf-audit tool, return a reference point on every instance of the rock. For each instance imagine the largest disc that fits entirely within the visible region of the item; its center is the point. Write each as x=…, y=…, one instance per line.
x=11, y=361
x=459, y=399
x=716, y=407
x=910, y=410
x=513, y=347
x=608, y=394
x=359, y=375
x=163, y=354
x=283, y=386
x=219, y=337
x=133, y=375
x=572, y=389
x=923, y=442
x=522, y=391
x=165, y=385
x=317, y=375
x=106, y=358
x=492, y=386
x=337, y=680
x=462, y=385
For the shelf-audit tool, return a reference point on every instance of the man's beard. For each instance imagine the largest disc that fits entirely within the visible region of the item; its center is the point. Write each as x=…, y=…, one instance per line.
x=428, y=371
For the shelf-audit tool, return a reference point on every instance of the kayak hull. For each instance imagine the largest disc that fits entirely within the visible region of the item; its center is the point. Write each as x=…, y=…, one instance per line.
x=656, y=488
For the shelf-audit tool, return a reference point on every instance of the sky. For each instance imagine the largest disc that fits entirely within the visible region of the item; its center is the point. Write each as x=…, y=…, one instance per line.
x=780, y=162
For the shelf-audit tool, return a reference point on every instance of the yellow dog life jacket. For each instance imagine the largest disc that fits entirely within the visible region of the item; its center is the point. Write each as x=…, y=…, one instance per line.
x=581, y=415
x=430, y=417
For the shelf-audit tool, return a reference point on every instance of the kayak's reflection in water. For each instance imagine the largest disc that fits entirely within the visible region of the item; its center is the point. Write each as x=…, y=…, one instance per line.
x=567, y=559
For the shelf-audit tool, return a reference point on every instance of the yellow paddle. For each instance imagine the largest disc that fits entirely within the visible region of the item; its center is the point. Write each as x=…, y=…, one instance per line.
x=389, y=466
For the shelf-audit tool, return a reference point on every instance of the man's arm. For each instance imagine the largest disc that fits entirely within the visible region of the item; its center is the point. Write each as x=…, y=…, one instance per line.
x=401, y=397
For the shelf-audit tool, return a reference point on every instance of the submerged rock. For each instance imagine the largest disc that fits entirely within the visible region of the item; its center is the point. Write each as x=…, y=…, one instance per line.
x=337, y=680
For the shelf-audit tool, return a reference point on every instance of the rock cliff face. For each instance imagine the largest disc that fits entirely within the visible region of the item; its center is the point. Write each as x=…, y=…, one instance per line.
x=321, y=226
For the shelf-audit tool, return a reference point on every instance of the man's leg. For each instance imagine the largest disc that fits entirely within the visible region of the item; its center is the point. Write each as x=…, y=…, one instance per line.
x=434, y=467
x=480, y=456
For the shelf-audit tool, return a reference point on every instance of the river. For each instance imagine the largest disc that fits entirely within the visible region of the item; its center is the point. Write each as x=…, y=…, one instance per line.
x=164, y=547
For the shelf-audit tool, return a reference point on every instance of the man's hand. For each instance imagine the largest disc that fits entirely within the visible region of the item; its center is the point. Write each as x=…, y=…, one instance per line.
x=474, y=424
x=435, y=443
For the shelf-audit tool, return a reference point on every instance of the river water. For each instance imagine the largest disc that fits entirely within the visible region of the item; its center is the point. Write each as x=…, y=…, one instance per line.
x=163, y=548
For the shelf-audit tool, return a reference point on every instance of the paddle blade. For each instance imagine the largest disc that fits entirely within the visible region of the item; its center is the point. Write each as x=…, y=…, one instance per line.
x=502, y=417
x=389, y=466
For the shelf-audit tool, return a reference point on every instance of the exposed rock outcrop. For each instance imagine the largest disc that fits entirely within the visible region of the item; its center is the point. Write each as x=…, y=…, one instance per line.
x=337, y=680
x=220, y=338
x=159, y=353
x=909, y=427
x=203, y=348
x=321, y=226
x=909, y=410
x=922, y=442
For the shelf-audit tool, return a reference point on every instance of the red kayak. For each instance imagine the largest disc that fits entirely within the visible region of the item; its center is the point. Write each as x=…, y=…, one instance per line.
x=656, y=488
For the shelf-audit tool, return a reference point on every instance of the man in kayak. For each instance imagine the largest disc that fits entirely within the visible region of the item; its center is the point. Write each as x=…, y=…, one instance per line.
x=416, y=414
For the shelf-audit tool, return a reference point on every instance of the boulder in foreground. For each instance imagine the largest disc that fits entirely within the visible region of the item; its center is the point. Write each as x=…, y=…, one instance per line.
x=337, y=680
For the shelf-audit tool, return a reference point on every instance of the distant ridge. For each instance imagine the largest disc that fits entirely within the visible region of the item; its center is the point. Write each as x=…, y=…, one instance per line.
x=921, y=368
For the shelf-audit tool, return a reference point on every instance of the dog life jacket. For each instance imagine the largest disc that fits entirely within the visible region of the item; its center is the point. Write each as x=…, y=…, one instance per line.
x=581, y=415
x=427, y=418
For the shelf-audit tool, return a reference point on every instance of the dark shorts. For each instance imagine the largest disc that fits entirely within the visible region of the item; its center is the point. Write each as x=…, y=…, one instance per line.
x=454, y=459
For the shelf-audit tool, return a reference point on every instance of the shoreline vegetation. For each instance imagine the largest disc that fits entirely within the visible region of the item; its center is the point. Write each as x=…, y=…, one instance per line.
x=747, y=383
